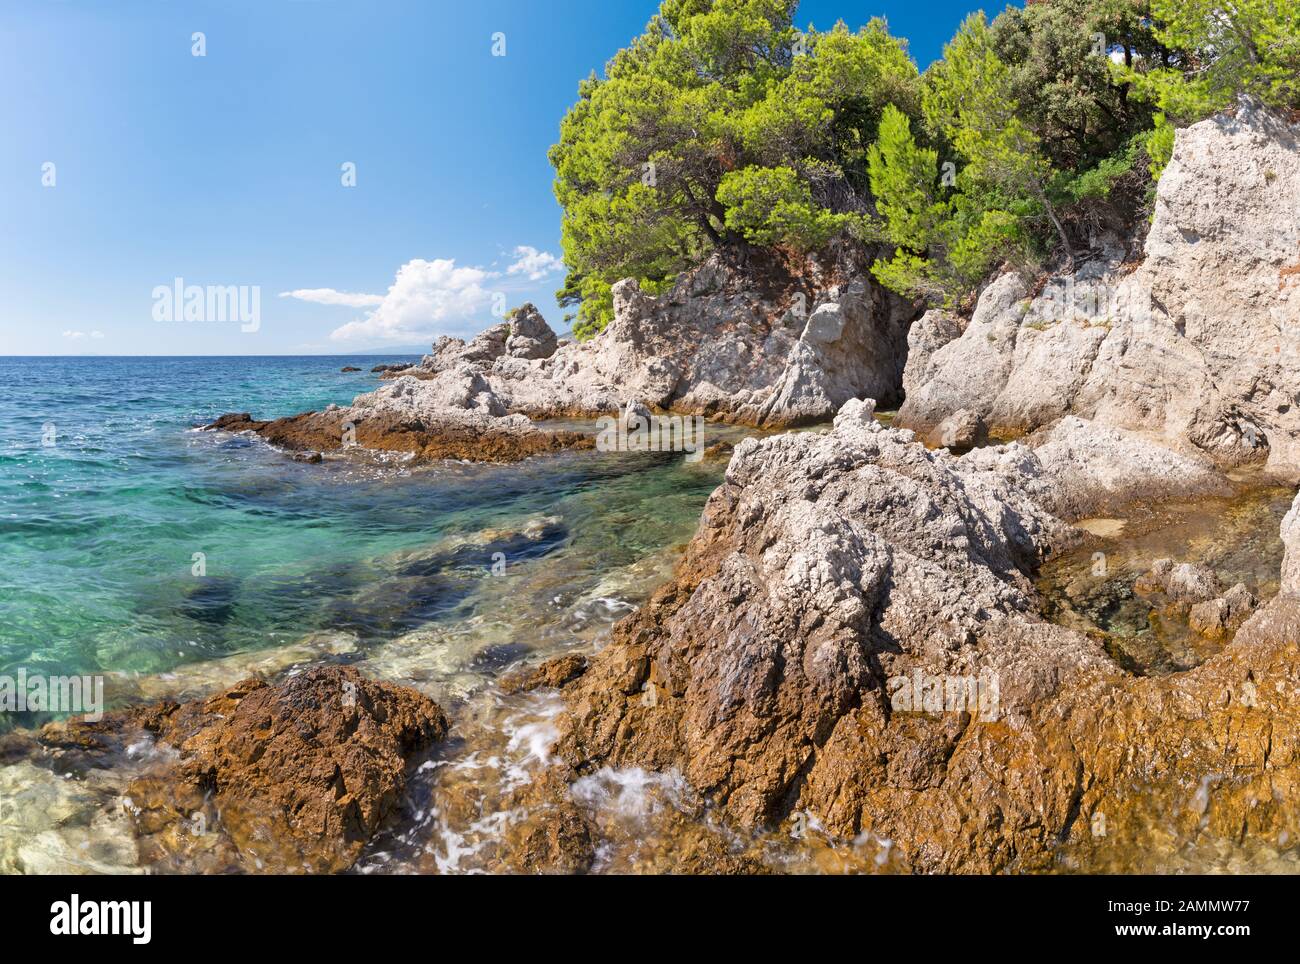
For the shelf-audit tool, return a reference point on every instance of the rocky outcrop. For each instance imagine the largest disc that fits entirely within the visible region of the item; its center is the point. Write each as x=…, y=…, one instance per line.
x=1199, y=344
x=853, y=636
x=449, y=415
x=771, y=345
x=1223, y=616
x=530, y=336
x=284, y=778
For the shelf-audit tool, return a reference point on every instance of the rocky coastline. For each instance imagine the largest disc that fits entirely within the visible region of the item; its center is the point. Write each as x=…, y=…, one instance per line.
x=853, y=637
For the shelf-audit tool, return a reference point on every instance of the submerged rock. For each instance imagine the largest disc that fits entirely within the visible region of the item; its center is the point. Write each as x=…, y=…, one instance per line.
x=1184, y=582
x=1190, y=590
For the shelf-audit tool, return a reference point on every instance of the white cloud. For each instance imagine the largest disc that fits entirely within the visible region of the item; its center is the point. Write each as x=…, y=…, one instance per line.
x=74, y=335
x=534, y=264
x=328, y=296
x=423, y=294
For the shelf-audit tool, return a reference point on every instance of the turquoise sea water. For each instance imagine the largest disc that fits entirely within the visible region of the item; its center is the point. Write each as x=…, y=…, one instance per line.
x=99, y=531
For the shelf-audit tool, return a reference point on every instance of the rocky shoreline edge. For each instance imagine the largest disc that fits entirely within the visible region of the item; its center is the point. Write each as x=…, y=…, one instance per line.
x=839, y=580
x=832, y=573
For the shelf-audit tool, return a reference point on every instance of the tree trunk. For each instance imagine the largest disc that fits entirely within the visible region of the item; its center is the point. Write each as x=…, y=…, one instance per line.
x=1056, y=223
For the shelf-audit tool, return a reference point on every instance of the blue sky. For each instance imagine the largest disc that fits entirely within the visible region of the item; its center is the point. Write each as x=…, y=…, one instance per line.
x=227, y=169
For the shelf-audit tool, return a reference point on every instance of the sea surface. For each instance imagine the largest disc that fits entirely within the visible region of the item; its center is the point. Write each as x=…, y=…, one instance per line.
x=131, y=542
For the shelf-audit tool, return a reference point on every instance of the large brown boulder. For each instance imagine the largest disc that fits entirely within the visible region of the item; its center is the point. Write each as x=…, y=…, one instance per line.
x=290, y=777
x=853, y=637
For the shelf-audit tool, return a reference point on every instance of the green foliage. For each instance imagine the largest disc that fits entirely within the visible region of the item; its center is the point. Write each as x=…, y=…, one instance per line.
x=722, y=126
x=1159, y=144
x=1062, y=86
x=774, y=205
x=1039, y=129
x=1001, y=189
x=904, y=178
x=1222, y=49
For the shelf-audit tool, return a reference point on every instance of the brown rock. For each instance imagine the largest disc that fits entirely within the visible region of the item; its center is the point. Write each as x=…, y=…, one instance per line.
x=385, y=431
x=557, y=672
x=828, y=570
x=1221, y=617
x=555, y=839
x=295, y=776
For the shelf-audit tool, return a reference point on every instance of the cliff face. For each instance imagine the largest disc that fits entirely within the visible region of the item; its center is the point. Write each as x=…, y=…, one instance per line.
x=1199, y=344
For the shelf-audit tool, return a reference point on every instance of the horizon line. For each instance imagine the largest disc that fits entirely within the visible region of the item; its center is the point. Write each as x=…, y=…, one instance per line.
x=366, y=354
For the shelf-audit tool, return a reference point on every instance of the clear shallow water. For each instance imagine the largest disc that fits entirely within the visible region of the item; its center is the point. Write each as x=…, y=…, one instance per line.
x=98, y=533
x=438, y=576
x=98, y=530
x=1092, y=588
